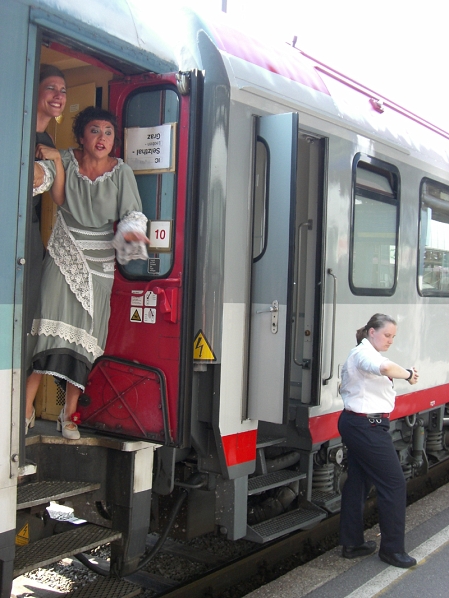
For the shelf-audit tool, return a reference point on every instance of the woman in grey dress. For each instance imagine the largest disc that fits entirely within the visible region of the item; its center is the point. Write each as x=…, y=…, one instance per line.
x=70, y=326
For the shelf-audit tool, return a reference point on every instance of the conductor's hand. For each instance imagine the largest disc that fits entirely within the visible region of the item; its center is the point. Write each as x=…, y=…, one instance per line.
x=415, y=376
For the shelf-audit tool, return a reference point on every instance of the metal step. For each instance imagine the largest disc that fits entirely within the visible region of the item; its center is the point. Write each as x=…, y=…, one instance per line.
x=39, y=493
x=331, y=501
x=305, y=517
x=263, y=441
x=53, y=549
x=106, y=587
x=273, y=479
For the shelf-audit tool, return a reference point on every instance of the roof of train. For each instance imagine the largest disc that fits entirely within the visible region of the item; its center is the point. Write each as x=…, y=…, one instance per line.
x=282, y=69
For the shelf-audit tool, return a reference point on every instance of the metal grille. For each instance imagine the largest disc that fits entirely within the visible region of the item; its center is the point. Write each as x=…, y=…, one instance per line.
x=106, y=588
x=60, y=396
x=38, y=493
x=49, y=550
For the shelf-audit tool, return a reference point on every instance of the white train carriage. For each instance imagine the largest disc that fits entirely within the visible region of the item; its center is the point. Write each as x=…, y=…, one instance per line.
x=295, y=204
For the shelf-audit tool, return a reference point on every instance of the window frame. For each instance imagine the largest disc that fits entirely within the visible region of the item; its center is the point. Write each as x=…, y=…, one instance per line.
x=382, y=168
x=419, y=272
x=164, y=87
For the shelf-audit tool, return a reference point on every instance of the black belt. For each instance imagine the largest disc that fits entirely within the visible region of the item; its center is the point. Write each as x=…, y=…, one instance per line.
x=370, y=415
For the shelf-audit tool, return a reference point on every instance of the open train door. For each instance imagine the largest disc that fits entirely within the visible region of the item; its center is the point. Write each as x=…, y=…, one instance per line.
x=273, y=258
x=138, y=388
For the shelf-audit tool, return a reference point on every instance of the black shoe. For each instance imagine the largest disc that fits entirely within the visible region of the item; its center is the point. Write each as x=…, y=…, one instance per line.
x=352, y=552
x=397, y=559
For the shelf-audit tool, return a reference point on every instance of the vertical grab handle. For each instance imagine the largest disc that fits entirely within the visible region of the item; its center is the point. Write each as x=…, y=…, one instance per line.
x=309, y=225
x=334, y=312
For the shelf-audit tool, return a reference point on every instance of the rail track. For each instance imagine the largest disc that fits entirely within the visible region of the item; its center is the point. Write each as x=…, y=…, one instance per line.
x=235, y=568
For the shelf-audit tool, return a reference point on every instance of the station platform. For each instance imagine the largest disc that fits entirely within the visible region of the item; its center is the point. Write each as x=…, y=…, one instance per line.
x=331, y=576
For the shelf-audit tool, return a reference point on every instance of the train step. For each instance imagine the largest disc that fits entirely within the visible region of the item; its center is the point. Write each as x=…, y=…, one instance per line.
x=39, y=493
x=304, y=517
x=264, y=440
x=50, y=550
x=106, y=587
x=273, y=479
x=331, y=501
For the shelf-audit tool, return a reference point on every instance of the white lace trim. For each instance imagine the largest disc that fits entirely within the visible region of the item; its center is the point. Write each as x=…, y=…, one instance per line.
x=102, y=274
x=69, y=333
x=133, y=221
x=99, y=179
x=47, y=182
x=71, y=261
x=134, y=250
x=109, y=258
x=95, y=244
x=58, y=375
x=89, y=232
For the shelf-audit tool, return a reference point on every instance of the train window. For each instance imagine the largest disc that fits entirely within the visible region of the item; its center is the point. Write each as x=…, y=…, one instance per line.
x=260, y=199
x=150, y=108
x=433, y=262
x=375, y=220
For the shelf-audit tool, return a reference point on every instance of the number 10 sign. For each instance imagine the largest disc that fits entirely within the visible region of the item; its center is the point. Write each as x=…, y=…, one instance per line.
x=160, y=234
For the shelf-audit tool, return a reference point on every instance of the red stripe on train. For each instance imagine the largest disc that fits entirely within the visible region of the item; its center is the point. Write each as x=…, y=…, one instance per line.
x=324, y=427
x=240, y=448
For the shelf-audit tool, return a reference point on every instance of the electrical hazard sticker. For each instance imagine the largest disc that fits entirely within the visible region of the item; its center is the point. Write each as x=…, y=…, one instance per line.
x=202, y=351
x=136, y=314
x=23, y=536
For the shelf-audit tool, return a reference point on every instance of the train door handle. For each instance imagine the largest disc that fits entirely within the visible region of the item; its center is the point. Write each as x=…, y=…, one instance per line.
x=168, y=302
x=274, y=310
x=334, y=313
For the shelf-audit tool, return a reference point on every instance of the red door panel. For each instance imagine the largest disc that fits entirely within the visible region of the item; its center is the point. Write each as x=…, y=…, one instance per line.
x=136, y=388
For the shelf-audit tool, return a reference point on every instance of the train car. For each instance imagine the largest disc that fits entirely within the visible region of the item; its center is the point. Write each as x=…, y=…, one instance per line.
x=287, y=203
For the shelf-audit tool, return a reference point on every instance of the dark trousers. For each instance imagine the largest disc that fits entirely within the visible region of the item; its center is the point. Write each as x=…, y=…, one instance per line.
x=372, y=460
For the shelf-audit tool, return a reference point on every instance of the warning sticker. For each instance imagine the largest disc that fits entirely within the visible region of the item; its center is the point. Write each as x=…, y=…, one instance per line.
x=23, y=537
x=202, y=351
x=137, y=299
x=136, y=314
x=149, y=315
x=150, y=299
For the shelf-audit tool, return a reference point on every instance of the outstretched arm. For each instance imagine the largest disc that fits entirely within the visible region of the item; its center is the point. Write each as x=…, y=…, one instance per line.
x=393, y=370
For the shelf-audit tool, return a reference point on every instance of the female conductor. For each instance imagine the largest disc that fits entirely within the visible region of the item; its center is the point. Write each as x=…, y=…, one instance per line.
x=369, y=397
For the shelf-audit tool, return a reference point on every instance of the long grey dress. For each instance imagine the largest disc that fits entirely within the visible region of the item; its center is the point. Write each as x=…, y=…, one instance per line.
x=71, y=323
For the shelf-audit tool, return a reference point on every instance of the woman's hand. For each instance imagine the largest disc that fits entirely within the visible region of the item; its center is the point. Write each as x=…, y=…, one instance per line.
x=136, y=236
x=38, y=177
x=43, y=152
x=415, y=376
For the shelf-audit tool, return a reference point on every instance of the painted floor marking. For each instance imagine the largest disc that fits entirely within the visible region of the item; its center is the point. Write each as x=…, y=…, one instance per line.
x=381, y=581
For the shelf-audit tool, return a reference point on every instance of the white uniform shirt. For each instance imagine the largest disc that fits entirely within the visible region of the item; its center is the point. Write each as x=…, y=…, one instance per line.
x=363, y=388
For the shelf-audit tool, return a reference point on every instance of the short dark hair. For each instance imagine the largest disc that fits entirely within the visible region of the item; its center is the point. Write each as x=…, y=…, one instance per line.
x=83, y=118
x=48, y=70
x=377, y=321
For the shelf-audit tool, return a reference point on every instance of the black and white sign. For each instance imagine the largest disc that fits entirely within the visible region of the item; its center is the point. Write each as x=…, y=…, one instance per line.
x=150, y=149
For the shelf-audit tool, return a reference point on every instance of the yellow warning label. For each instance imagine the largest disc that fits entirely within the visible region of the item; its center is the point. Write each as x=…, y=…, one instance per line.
x=23, y=537
x=136, y=314
x=201, y=349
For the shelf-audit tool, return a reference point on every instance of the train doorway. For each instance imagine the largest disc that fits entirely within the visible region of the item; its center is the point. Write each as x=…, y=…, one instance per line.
x=151, y=305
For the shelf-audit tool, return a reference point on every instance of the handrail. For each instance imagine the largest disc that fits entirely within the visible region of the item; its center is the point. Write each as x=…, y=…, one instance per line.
x=334, y=312
x=309, y=224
